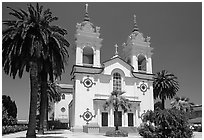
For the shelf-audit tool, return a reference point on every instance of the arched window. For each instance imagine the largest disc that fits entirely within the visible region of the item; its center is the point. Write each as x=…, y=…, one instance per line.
x=63, y=96
x=141, y=63
x=117, y=81
x=88, y=55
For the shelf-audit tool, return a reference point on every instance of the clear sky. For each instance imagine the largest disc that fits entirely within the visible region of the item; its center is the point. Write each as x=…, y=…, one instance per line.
x=175, y=30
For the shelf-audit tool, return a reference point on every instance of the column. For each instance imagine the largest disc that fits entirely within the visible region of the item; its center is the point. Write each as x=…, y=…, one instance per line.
x=151, y=96
x=149, y=65
x=111, y=118
x=97, y=58
x=135, y=63
x=125, y=119
x=94, y=57
x=99, y=117
x=79, y=53
x=136, y=118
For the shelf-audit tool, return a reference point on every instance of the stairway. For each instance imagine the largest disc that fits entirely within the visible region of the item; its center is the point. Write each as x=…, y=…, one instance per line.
x=127, y=129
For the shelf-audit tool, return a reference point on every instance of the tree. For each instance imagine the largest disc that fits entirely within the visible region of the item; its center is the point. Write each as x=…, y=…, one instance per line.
x=183, y=104
x=54, y=95
x=9, y=106
x=165, y=86
x=6, y=119
x=158, y=105
x=30, y=43
x=116, y=100
x=166, y=123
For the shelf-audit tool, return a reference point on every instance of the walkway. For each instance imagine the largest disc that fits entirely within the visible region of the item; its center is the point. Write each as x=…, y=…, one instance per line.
x=63, y=134
x=69, y=134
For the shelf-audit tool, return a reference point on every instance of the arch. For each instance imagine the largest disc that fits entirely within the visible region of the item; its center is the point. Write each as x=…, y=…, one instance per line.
x=117, y=84
x=88, y=55
x=142, y=62
x=121, y=72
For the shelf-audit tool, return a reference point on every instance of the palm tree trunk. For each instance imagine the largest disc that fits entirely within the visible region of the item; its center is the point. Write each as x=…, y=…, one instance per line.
x=43, y=101
x=163, y=103
x=116, y=114
x=45, y=127
x=33, y=100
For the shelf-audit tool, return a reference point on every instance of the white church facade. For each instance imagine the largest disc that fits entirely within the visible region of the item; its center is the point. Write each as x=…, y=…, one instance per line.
x=94, y=80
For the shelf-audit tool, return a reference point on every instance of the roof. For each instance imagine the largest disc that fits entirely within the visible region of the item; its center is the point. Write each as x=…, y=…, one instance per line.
x=118, y=58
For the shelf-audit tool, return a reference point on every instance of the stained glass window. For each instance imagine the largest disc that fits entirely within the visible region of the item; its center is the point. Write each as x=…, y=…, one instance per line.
x=117, y=81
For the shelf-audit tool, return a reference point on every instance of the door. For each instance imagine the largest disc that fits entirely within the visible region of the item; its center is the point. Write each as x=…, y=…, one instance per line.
x=119, y=118
x=130, y=119
x=104, y=118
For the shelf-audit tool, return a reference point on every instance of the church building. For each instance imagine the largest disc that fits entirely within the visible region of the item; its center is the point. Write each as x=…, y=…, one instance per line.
x=94, y=80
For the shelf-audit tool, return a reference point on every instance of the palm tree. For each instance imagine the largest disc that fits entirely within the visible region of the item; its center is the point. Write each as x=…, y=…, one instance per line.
x=158, y=105
x=54, y=95
x=165, y=86
x=117, y=100
x=30, y=43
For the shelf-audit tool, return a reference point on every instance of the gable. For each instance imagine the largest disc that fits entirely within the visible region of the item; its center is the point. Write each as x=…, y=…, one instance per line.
x=117, y=64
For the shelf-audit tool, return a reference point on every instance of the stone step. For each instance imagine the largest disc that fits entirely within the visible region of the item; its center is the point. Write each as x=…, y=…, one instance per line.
x=127, y=129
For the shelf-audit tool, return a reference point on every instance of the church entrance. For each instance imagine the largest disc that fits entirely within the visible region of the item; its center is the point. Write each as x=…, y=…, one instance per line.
x=119, y=118
x=130, y=119
x=104, y=118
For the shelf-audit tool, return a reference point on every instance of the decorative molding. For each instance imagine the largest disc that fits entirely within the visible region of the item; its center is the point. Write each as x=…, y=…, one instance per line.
x=88, y=83
x=143, y=87
x=87, y=116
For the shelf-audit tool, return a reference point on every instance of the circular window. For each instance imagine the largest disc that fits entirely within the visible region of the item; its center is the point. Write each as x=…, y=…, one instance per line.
x=88, y=83
x=63, y=109
x=143, y=87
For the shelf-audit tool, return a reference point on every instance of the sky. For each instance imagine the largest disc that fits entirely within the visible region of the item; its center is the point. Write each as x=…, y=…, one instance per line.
x=175, y=30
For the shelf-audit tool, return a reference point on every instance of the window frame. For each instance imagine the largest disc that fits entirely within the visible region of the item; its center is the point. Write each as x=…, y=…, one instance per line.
x=117, y=81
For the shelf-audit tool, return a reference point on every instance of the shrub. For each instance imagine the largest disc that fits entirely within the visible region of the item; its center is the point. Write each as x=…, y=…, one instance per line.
x=56, y=124
x=199, y=129
x=116, y=133
x=167, y=123
x=14, y=128
x=7, y=120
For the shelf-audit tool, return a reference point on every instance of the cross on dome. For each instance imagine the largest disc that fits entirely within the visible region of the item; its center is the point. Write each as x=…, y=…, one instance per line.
x=86, y=7
x=135, y=24
x=86, y=18
x=116, y=49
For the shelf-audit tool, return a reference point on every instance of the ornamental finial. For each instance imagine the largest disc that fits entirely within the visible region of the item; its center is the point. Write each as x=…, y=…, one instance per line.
x=86, y=7
x=135, y=24
x=116, y=49
x=86, y=18
x=134, y=19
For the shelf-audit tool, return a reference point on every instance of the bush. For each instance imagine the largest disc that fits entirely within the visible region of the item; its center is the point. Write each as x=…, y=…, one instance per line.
x=56, y=124
x=116, y=133
x=167, y=123
x=14, y=128
x=147, y=130
x=7, y=120
x=199, y=129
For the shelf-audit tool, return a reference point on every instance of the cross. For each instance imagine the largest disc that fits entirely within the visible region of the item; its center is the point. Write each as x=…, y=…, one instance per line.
x=134, y=18
x=87, y=8
x=116, y=49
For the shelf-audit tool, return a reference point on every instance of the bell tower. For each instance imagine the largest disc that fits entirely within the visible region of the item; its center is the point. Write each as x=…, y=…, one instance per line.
x=137, y=51
x=88, y=43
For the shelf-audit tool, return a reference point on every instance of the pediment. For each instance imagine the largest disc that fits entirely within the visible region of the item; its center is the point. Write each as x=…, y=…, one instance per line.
x=117, y=63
